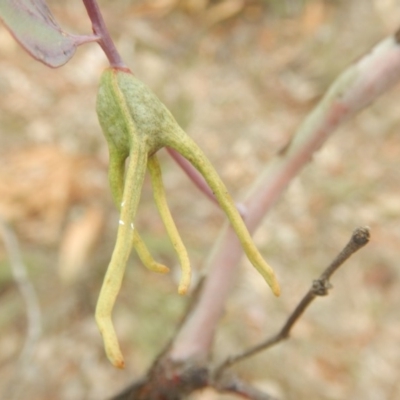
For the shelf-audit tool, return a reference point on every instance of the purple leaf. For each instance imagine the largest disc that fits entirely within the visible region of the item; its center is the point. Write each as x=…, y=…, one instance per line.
x=34, y=27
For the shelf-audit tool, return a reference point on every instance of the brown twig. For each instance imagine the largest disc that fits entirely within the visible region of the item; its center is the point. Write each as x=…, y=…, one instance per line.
x=232, y=384
x=319, y=287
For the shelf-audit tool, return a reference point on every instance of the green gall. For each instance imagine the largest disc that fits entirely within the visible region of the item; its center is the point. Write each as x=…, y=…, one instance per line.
x=136, y=125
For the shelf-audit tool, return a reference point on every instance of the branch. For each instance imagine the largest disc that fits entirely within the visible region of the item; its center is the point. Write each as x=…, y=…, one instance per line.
x=232, y=384
x=100, y=29
x=193, y=174
x=319, y=287
x=29, y=296
x=198, y=179
x=352, y=91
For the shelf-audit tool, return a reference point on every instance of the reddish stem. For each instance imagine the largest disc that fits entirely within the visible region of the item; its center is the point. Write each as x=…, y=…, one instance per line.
x=192, y=173
x=100, y=29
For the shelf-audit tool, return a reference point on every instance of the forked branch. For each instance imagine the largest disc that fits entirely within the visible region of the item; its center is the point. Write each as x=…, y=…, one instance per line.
x=180, y=379
x=319, y=287
x=234, y=385
x=358, y=86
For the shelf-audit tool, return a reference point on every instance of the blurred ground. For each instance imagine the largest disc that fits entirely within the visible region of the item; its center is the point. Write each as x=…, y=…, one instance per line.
x=239, y=75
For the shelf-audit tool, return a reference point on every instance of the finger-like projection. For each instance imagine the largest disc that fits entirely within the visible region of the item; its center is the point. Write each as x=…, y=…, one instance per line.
x=136, y=125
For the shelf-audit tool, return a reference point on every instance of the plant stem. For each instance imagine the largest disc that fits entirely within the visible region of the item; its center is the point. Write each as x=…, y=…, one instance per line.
x=199, y=181
x=319, y=287
x=100, y=29
x=192, y=173
x=357, y=87
x=238, y=387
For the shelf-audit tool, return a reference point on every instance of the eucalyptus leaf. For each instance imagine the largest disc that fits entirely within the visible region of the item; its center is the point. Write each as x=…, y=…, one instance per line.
x=34, y=27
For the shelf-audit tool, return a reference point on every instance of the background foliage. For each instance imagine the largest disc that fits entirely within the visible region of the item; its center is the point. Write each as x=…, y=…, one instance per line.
x=239, y=76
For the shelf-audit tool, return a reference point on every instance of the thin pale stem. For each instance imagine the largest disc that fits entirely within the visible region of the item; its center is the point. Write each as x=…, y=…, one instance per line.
x=116, y=172
x=145, y=255
x=162, y=205
x=189, y=149
x=115, y=271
